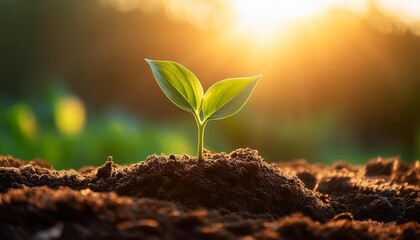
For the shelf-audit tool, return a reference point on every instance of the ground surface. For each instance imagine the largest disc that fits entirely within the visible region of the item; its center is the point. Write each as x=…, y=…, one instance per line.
x=225, y=196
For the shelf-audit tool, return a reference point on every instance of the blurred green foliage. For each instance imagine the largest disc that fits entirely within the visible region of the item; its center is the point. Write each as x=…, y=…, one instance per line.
x=29, y=130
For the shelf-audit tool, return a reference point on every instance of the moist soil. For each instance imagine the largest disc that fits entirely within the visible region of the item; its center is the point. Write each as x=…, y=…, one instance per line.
x=224, y=196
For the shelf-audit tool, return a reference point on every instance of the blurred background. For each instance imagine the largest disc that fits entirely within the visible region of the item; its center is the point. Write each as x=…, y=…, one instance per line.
x=341, y=78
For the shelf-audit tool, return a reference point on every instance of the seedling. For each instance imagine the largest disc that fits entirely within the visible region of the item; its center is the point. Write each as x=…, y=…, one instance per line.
x=183, y=88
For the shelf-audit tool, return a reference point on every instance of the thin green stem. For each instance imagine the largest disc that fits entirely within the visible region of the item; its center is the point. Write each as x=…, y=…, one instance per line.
x=201, y=125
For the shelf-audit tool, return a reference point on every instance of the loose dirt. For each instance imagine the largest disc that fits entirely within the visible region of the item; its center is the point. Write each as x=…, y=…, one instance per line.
x=225, y=196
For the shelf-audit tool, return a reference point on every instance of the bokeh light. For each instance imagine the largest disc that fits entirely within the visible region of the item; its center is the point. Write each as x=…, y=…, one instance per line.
x=70, y=116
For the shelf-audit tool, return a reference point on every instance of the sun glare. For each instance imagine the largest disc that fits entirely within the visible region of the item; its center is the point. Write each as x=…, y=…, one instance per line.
x=265, y=19
x=265, y=16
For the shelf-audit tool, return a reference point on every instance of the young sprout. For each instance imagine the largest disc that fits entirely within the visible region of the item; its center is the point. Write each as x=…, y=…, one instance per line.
x=183, y=88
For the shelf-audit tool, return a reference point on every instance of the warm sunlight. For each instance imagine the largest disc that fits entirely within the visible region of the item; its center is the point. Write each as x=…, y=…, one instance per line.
x=268, y=15
x=265, y=19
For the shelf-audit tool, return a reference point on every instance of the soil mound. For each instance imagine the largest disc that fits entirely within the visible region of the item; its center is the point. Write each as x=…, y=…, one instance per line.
x=239, y=181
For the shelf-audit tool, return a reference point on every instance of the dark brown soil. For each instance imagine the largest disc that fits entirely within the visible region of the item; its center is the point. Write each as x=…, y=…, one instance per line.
x=225, y=196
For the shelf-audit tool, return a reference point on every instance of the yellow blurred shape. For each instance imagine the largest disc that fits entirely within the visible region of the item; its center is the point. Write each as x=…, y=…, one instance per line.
x=70, y=116
x=26, y=121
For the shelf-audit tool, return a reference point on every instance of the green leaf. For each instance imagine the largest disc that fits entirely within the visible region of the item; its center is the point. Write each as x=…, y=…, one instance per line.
x=179, y=84
x=228, y=96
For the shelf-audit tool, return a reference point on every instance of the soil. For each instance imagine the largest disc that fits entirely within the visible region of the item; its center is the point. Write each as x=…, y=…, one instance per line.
x=224, y=196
